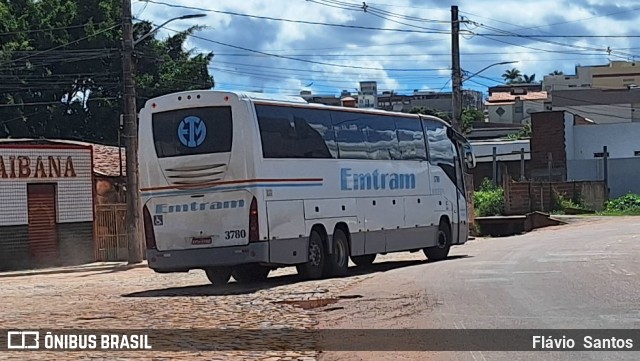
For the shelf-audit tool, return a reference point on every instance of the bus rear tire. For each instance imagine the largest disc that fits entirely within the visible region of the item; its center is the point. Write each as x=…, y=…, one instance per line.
x=314, y=268
x=364, y=260
x=218, y=276
x=338, y=261
x=250, y=273
x=443, y=244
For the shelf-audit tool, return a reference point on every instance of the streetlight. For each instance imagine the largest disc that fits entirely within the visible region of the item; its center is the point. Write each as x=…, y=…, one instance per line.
x=487, y=67
x=153, y=31
x=134, y=234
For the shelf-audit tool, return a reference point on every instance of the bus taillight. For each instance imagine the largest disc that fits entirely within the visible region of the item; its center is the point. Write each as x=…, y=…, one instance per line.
x=149, y=234
x=254, y=231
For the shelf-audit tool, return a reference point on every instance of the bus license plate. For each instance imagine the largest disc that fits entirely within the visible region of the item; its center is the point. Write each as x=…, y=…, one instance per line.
x=199, y=241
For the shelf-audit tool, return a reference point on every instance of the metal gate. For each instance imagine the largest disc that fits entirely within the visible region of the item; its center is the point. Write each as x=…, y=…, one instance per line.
x=111, y=232
x=43, y=235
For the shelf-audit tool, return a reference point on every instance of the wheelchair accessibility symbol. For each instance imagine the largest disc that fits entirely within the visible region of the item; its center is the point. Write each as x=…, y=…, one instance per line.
x=158, y=220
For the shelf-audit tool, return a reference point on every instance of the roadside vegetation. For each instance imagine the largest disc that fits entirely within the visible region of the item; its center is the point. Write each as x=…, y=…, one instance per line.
x=488, y=200
x=627, y=205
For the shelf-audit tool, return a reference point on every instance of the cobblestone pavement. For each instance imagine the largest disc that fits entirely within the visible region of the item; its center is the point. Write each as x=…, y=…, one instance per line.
x=142, y=299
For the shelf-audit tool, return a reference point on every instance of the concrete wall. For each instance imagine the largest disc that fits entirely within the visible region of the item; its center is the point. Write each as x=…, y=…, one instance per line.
x=624, y=174
x=622, y=140
x=606, y=114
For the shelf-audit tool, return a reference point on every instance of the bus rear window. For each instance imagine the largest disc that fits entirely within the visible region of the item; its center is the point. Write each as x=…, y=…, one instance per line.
x=192, y=131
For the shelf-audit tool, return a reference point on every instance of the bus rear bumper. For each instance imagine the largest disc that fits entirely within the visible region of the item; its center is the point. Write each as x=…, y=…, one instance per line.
x=186, y=259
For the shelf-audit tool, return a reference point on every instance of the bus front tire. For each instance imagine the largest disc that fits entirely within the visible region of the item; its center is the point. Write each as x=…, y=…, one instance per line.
x=443, y=244
x=314, y=267
x=338, y=264
x=250, y=273
x=218, y=276
x=364, y=260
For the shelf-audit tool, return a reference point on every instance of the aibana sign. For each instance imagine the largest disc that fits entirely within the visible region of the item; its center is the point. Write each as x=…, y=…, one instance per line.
x=23, y=167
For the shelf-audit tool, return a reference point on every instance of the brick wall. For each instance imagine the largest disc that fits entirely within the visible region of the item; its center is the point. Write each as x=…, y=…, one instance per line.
x=530, y=196
x=547, y=136
x=485, y=170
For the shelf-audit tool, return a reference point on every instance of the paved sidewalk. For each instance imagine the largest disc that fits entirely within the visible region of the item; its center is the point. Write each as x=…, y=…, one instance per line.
x=89, y=267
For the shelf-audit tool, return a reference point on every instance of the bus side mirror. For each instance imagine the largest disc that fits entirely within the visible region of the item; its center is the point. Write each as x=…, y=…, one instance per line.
x=469, y=157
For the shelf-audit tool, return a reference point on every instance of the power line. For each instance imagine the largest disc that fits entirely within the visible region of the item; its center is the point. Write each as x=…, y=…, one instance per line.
x=63, y=45
x=42, y=30
x=378, y=13
x=51, y=103
x=536, y=37
x=304, y=60
x=368, y=8
x=560, y=36
x=430, y=31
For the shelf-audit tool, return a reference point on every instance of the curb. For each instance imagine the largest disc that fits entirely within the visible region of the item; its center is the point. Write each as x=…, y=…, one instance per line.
x=114, y=268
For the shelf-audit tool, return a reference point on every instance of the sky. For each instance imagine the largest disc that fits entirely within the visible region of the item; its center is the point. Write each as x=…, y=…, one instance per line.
x=404, y=45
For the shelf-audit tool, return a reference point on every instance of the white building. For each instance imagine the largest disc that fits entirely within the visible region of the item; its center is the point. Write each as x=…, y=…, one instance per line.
x=368, y=94
x=515, y=106
x=47, y=194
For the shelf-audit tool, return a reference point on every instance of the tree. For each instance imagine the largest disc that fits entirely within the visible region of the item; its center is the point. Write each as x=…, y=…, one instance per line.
x=512, y=75
x=436, y=113
x=529, y=79
x=469, y=116
x=61, y=68
x=556, y=72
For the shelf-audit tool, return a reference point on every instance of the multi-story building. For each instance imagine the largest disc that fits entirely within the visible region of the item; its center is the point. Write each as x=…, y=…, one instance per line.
x=368, y=94
x=602, y=93
x=615, y=75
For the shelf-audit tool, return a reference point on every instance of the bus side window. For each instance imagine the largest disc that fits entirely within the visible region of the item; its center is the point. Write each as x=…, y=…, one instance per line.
x=350, y=135
x=411, y=139
x=315, y=135
x=441, y=149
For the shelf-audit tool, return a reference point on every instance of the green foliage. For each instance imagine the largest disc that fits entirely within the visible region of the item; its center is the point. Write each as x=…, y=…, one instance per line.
x=561, y=203
x=515, y=76
x=524, y=133
x=488, y=200
x=436, y=113
x=469, y=116
x=56, y=49
x=628, y=204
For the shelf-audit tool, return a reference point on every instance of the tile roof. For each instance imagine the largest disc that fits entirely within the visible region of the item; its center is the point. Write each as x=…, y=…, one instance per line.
x=105, y=157
x=507, y=96
x=105, y=160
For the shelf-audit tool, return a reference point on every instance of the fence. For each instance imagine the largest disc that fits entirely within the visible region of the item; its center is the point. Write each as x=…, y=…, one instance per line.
x=522, y=197
x=110, y=232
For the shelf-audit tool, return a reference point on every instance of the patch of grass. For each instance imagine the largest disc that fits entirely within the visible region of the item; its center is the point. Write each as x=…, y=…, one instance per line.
x=627, y=205
x=488, y=200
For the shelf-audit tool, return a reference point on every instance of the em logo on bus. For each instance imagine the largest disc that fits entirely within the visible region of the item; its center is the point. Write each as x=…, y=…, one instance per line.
x=192, y=132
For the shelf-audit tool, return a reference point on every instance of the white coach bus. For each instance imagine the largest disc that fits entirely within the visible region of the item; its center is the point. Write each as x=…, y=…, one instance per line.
x=238, y=184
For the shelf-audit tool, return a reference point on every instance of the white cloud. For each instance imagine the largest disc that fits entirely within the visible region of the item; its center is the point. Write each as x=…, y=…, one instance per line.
x=397, y=50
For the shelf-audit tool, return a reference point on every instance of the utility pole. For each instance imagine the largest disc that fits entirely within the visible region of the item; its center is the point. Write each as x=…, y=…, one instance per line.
x=456, y=74
x=130, y=138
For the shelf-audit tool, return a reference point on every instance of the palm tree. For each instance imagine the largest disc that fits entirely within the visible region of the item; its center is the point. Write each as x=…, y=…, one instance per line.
x=529, y=79
x=512, y=76
x=557, y=72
